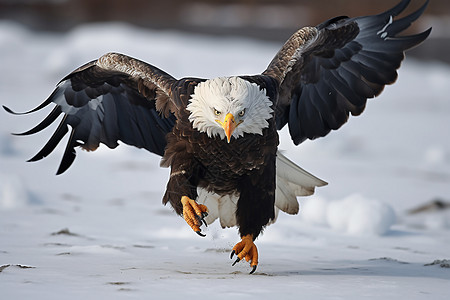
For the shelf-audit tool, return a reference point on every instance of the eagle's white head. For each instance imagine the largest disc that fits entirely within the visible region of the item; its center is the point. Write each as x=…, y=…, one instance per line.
x=229, y=107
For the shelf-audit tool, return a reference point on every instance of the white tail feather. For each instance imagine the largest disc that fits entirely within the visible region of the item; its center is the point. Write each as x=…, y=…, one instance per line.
x=219, y=207
x=291, y=180
x=227, y=210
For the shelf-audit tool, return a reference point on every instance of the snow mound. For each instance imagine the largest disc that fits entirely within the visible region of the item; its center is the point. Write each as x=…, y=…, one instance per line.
x=354, y=215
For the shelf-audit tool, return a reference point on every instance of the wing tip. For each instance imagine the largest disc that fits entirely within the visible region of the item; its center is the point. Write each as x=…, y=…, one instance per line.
x=44, y=104
x=411, y=17
x=410, y=41
x=63, y=168
x=422, y=36
x=9, y=110
x=397, y=9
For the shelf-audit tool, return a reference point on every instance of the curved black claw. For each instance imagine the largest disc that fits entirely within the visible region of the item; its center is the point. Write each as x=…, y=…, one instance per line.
x=236, y=261
x=232, y=254
x=201, y=219
x=253, y=270
x=204, y=215
x=200, y=233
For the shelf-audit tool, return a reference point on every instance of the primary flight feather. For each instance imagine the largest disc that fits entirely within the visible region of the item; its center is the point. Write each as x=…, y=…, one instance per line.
x=219, y=136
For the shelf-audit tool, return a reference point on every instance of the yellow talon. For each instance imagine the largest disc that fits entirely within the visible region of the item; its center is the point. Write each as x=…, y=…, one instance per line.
x=194, y=213
x=246, y=249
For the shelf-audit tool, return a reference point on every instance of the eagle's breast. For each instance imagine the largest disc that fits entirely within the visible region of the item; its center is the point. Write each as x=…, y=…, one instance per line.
x=223, y=164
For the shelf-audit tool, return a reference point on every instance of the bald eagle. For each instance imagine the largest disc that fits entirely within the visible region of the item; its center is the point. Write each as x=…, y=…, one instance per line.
x=219, y=136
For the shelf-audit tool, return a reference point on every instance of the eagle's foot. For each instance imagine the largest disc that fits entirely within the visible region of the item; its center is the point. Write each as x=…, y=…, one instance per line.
x=246, y=249
x=194, y=214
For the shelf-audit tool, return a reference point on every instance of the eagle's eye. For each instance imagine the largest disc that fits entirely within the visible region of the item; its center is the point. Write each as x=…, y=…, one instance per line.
x=216, y=112
x=242, y=113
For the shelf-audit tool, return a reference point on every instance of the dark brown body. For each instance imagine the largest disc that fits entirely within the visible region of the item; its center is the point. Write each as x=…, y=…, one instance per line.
x=245, y=166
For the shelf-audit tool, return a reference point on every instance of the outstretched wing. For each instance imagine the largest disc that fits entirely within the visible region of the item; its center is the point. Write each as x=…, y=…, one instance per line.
x=328, y=71
x=113, y=98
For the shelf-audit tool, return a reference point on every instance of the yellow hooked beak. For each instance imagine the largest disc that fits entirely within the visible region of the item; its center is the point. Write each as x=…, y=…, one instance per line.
x=228, y=125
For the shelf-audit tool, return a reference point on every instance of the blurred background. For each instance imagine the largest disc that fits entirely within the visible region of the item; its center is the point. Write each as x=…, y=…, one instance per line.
x=271, y=20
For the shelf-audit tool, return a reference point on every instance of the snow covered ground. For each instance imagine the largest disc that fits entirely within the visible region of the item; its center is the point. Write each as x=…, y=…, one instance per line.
x=100, y=232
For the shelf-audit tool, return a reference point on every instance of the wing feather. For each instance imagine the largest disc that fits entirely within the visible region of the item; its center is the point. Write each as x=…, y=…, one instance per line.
x=106, y=100
x=69, y=154
x=52, y=116
x=329, y=71
x=57, y=136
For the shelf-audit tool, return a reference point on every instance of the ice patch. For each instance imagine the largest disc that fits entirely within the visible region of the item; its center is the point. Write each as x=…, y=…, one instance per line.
x=354, y=215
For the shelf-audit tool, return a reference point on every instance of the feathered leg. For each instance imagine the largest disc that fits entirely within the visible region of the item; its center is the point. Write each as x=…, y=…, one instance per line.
x=255, y=209
x=181, y=191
